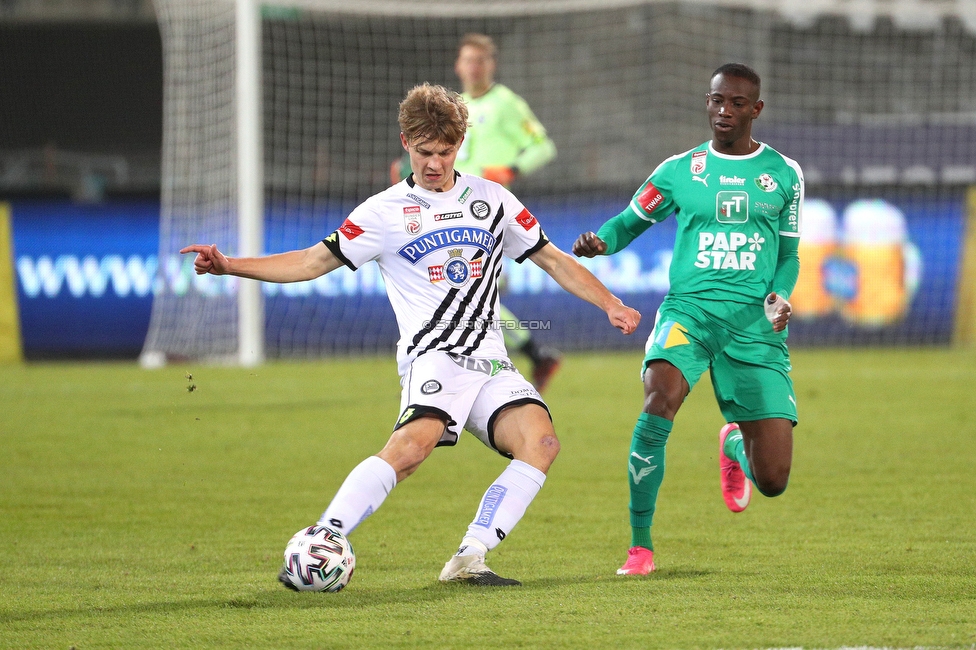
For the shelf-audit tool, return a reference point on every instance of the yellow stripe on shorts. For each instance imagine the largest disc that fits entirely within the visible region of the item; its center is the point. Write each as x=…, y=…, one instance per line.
x=676, y=336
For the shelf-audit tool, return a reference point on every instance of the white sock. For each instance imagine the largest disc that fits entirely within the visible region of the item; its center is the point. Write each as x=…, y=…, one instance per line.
x=471, y=546
x=504, y=503
x=360, y=495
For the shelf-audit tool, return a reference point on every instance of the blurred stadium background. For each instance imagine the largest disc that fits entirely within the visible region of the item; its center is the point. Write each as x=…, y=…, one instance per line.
x=120, y=142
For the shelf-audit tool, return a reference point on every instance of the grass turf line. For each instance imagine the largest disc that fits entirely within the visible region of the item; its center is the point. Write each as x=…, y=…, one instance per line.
x=137, y=513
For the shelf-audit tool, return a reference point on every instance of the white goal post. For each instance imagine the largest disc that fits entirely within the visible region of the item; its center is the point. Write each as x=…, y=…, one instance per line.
x=250, y=182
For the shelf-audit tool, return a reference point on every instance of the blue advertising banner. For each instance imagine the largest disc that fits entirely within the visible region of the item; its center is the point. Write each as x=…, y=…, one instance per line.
x=85, y=276
x=873, y=270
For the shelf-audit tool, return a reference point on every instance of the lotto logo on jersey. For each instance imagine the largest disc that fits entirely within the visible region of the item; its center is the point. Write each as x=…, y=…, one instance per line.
x=447, y=216
x=350, y=230
x=526, y=220
x=732, y=206
x=411, y=219
x=650, y=198
x=698, y=160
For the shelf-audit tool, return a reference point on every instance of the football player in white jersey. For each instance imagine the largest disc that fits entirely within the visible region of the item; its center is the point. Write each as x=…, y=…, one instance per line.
x=438, y=237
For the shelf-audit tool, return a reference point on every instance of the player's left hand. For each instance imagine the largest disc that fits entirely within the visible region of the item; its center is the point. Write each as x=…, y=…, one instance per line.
x=501, y=175
x=778, y=311
x=624, y=318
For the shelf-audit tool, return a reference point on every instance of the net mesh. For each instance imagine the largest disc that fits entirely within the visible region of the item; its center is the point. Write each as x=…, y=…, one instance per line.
x=876, y=107
x=196, y=317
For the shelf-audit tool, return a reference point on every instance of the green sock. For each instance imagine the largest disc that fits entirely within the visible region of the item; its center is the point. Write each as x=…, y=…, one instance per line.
x=735, y=450
x=645, y=473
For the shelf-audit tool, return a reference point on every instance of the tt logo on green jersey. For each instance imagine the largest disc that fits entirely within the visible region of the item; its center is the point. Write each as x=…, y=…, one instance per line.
x=732, y=206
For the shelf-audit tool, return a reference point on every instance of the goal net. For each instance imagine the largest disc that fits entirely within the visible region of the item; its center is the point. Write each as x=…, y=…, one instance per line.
x=874, y=100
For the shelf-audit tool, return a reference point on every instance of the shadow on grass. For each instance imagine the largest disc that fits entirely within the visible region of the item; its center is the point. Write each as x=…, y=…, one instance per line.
x=612, y=579
x=282, y=599
x=271, y=598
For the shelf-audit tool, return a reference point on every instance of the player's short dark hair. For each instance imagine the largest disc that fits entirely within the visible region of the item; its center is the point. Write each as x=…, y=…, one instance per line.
x=739, y=71
x=433, y=114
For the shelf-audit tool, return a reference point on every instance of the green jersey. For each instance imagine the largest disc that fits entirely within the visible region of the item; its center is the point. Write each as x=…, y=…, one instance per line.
x=738, y=220
x=503, y=133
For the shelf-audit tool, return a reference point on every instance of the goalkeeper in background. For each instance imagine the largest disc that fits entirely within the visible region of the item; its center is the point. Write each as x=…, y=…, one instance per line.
x=738, y=207
x=505, y=140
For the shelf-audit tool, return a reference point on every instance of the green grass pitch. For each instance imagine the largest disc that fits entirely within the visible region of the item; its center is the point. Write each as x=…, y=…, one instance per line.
x=137, y=513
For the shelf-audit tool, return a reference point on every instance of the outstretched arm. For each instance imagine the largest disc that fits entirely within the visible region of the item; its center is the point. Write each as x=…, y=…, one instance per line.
x=293, y=266
x=613, y=236
x=574, y=278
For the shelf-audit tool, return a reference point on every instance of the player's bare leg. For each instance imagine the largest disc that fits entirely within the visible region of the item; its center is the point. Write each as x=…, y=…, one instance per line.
x=411, y=444
x=768, y=448
x=665, y=389
x=526, y=433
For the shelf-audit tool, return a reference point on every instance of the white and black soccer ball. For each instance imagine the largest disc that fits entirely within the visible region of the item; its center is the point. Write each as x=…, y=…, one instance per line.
x=318, y=558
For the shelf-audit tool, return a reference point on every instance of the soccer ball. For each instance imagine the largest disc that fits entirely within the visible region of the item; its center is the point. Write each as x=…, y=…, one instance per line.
x=318, y=558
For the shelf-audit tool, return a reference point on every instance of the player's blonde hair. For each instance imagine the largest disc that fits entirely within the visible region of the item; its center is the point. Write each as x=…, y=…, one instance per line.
x=433, y=114
x=482, y=41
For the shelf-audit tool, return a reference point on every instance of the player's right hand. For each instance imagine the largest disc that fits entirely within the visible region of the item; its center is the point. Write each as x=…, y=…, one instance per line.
x=208, y=260
x=778, y=311
x=589, y=245
x=624, y=318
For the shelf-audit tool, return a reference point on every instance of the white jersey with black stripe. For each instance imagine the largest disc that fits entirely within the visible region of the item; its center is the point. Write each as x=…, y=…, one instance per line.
x=440, y=254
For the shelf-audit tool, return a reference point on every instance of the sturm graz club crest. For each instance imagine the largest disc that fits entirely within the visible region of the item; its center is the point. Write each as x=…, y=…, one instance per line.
x=480, y=209
x=456, y=271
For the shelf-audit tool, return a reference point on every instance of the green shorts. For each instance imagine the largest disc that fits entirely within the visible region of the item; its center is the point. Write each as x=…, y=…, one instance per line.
x=750, y=374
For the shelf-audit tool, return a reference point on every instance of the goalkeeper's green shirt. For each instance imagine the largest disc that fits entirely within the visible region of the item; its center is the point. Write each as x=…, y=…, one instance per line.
x=503, y=132
x=738, y=222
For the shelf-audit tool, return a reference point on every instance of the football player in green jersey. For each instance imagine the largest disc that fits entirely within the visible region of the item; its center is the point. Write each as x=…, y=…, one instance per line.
x=504, y=140
x=737, y=203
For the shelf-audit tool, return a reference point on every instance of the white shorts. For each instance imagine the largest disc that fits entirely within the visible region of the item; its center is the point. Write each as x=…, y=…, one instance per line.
x=466, y=392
